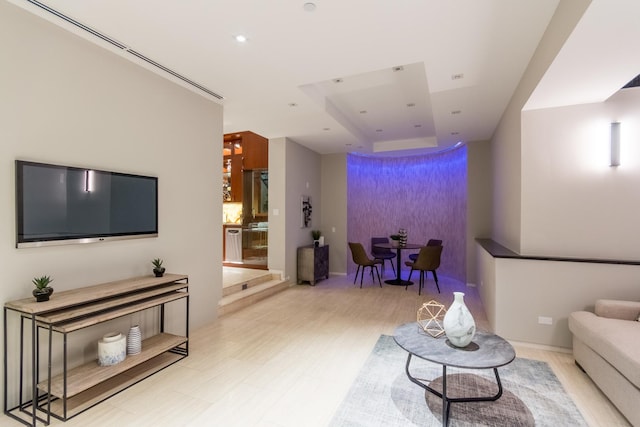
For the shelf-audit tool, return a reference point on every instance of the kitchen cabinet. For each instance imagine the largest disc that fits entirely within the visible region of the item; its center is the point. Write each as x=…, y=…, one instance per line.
x=232, y=152
x=255, y=149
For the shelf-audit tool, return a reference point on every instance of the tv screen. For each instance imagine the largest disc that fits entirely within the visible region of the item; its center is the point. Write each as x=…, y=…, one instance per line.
x=61, y=204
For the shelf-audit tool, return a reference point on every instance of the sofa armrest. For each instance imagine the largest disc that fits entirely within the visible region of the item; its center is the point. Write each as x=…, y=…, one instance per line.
x=615, y=309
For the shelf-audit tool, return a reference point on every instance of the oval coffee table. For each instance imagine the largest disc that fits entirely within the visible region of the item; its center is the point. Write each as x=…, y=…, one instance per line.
x=486, y=351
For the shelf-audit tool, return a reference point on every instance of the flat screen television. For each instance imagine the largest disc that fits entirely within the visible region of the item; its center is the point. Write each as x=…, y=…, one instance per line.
x=64, y=205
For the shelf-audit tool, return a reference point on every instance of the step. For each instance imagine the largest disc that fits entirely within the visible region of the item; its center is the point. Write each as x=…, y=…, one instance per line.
x=245, y=284
x=251, y=295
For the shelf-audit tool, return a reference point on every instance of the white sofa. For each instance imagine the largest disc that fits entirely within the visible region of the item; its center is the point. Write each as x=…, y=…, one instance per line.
x=606, y=345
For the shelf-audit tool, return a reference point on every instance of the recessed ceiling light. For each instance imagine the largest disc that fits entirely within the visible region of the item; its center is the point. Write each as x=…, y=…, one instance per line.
x=309, y=7
x=241, y=38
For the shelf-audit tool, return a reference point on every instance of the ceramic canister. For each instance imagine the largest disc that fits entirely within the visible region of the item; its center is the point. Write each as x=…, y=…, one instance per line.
x=112, y=349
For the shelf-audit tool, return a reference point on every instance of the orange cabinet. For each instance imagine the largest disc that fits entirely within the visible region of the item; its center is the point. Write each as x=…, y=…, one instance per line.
x=232, y=171
x=241, y=151
x=256, y=153
x=255, y=149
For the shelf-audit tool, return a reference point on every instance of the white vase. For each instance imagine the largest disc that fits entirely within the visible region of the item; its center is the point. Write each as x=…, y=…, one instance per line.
x=134, y=340
x=458, y=323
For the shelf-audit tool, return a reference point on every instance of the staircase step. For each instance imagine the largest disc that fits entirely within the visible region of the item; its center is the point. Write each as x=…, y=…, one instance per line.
x=250, y=295
x=248, y=283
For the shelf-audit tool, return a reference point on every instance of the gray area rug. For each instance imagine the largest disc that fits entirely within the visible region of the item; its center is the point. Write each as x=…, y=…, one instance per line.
x=382, y=395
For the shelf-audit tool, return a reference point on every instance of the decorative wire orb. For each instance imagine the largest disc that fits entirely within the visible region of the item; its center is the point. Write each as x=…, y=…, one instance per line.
x=430, y=317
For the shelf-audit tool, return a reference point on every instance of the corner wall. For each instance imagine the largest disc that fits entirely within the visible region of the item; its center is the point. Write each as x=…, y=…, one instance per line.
x=506, y=145
x=427, y=195
x=334, y=210
x=294, y=171
x=574, y=204
x=570, y=202
x=67, y=101
x=479, y=202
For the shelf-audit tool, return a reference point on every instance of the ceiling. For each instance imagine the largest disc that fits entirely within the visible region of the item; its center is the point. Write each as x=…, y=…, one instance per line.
x=369, y=76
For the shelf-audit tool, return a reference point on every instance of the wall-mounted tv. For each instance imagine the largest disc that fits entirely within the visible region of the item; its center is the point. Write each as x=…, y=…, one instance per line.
x=64, y=205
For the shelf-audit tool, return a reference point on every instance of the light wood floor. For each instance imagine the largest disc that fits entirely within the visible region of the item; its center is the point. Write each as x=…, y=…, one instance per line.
x=290, y=359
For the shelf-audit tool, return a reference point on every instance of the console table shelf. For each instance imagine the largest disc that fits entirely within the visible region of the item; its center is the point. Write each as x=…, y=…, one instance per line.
x=90, y=397
x=76, y=389
x=83, y=322
x=91, y=374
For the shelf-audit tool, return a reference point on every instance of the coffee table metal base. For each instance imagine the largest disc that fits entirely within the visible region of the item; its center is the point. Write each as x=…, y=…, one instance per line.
x=446, y=401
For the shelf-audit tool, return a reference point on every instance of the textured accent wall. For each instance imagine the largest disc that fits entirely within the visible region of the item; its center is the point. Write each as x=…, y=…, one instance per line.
x=427, y=195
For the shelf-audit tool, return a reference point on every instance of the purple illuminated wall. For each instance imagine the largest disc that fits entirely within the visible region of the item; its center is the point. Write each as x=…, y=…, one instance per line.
x=427, y=195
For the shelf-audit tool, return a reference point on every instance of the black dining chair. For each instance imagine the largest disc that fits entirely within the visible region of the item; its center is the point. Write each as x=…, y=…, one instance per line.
x=383, y=254
x=431, y=242
x=359, y=256
x=428, y=260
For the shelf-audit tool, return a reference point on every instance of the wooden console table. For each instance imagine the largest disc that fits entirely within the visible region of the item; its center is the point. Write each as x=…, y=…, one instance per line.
x=73, y=390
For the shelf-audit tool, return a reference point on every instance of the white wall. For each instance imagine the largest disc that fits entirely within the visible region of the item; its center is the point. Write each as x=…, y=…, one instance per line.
x=556, y=195
x=528, y=289
x=574, y=204
x=277, y=205
x=479, y=202
x=294, y=171
x=334, y=210
x=505, y=142
x=64, y=100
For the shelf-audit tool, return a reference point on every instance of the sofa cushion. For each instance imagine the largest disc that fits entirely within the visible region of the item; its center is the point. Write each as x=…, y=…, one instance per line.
x=617, y=309
x=617, y=341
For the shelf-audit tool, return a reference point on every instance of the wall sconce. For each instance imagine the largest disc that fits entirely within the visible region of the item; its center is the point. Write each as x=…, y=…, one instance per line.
x=88, y=181
x=615, y=144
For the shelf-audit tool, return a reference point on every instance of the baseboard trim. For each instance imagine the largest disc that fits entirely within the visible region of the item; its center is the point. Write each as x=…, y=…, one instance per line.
x=542, y=346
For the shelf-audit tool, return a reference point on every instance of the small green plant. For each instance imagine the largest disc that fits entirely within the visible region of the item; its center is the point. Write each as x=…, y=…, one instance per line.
x=43, y=291
x=315, y=234
x=158, y=269
x=42, y=282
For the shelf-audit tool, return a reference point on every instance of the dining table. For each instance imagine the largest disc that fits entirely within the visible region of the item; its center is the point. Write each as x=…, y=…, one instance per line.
x=398, y=248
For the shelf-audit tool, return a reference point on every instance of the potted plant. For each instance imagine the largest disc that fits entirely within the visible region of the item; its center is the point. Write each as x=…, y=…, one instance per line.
x=158, y=269
x=43, y=291
x=316, y=237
